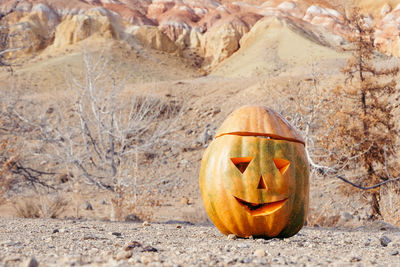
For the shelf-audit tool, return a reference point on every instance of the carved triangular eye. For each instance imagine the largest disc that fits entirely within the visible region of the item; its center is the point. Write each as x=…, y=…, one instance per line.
x=282, y=165
x=242, y=163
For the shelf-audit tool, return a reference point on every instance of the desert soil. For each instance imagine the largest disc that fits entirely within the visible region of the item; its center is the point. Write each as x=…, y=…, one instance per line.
x=103, y=243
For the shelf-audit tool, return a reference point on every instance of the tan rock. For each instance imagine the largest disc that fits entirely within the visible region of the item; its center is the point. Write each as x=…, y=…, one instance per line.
x=196, y=39
x=154, y=38
x=74, y=29
x=35, y=30
x=122, y=255
x=222, y=41
x=259, y=253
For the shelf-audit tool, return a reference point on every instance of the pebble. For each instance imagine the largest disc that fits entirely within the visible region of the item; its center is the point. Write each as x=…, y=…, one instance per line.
x=88, y=237
x=132, y=245
x=146, y=223
x=117, y=234
x=132, y=218
x=246, y=260
x=241, y=245
x=259, y=253
x=123, y=255
x=231, y=237
x=31, y=262
x=355, y=259
x=394, y=252
x=88, y=206
x=149, y=249
x=185, y=201
x=385, y=240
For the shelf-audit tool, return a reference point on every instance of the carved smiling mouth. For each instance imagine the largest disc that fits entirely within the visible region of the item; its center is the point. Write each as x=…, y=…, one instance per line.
x=261, y=209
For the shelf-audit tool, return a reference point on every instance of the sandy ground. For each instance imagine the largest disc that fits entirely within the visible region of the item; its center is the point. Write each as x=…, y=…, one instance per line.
x=98, y=243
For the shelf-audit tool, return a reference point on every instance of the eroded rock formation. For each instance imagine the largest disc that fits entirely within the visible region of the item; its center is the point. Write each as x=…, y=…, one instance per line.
x=212, y=29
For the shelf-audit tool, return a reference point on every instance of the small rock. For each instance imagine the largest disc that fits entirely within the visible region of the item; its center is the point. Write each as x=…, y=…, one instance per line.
x=32, y=262
x=62, y=230
x=216, y=111
x=149, y=249
x=355, y=259
x=88, y=206
x=88, y=237
x=394, y=252
x=56, y=231
x=385, y=240
x=146, y=223
x=117, y=234
x=241, y=245
x=246, y=260
x=132, y=245
x=185, y=201
x=259, y=253
x=133, y=218
x=123, y=255
x=103, y=202
x=227, y=248
x=231, y=237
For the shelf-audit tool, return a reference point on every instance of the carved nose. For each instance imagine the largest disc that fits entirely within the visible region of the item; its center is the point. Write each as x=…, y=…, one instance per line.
x=261, y=184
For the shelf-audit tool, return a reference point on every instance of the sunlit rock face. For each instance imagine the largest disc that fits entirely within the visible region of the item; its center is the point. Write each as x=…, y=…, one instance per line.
x=213, y=29
x=94, y=22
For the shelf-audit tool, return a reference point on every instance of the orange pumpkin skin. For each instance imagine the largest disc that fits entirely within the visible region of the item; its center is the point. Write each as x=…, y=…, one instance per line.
x=256, y=185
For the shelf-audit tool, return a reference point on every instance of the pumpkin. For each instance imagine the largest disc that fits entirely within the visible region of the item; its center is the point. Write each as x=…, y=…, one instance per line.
x=254, y=175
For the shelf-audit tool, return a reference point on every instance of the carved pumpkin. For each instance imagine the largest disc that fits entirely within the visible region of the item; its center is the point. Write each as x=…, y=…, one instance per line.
x=254, y=176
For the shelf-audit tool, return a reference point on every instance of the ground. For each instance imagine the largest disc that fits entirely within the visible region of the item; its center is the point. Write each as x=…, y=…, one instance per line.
x=104, y=243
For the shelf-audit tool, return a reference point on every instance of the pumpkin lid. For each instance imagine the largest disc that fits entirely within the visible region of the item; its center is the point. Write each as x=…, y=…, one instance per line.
x=258, y=121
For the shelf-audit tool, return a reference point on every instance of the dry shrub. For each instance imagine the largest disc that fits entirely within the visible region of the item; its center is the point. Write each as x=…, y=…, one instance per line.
x=40, y=206
x=26, y=208
x=125, y=204
x=390, y=203
x=7, y=163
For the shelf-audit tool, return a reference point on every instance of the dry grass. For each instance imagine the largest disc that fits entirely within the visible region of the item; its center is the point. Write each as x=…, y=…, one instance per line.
x=7, y=162
x=126, y=204
x=40, y=206
x=390, y=203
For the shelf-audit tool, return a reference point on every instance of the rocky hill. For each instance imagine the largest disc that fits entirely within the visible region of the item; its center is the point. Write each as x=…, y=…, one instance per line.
x=206, y=32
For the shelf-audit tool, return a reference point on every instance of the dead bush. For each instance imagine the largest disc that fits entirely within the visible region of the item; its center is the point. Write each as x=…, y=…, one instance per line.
x=40, y=206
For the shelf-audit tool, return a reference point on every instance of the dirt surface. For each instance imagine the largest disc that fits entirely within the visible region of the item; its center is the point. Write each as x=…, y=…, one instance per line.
x=98, y=243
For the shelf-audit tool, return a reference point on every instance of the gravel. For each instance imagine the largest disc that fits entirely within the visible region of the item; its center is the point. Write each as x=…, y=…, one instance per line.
x=26, y=242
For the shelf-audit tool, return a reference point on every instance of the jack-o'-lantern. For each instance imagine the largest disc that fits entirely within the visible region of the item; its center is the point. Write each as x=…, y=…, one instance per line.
x=254, y=175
